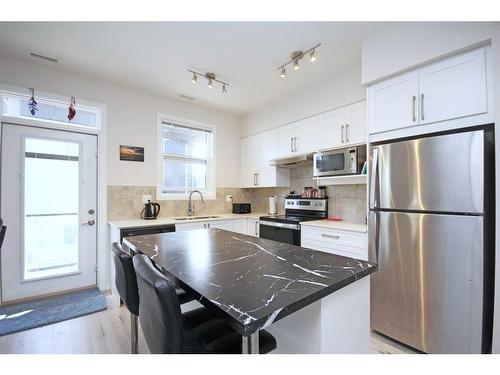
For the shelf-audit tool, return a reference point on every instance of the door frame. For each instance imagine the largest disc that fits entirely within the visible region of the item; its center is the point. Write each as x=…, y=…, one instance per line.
x=102, y=258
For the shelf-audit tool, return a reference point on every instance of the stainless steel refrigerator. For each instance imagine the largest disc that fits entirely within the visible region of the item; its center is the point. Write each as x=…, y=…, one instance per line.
x=431, y=231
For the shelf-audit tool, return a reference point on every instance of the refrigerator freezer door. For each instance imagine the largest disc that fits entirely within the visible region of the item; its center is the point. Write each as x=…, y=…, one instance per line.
x=440, y=173
x=427, y=292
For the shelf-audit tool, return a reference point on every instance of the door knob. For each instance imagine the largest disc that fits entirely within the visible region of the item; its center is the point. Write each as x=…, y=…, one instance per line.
x=90, y=222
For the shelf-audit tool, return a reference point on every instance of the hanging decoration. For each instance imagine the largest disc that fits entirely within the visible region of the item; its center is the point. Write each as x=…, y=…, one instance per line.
x=72, y=109
x=32, y=104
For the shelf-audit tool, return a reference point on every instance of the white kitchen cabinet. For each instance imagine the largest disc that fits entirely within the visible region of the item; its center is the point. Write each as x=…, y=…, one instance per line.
x=449, y=89
x=286, y=139
x=240, y=226
x=191, y=226
x=331, y=127
x=340, y=242
x=453, y=88
x=298, y=138
x=256, y=153
x=392, y=104
x=253, y=227
x=221, y=224
x=355, y=119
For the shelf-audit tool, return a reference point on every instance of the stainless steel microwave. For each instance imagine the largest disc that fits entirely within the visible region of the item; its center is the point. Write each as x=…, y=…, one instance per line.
x=344, y=161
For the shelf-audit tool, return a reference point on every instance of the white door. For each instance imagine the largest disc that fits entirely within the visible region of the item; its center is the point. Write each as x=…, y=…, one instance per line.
x=331, y=127
x=306, y=136
x=392, y=104
x=249, y=161
x=355, y=130
x=48, y=203
x=286, y=136
x=271, y=176
x=453, y=88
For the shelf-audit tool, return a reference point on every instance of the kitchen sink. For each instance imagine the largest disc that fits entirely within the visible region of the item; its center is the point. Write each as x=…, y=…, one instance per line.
x=196, y=217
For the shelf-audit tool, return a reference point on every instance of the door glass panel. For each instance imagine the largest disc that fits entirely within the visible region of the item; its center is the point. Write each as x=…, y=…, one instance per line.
x=51, y=205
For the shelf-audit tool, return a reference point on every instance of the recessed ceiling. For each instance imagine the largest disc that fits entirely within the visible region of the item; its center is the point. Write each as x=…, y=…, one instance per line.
x=154, y=56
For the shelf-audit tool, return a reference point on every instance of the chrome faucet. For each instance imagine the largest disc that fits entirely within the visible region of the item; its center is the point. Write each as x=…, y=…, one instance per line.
x=190, y=202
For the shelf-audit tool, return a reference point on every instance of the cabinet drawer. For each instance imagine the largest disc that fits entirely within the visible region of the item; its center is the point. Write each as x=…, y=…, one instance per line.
x=337, y=249
x=335, y=237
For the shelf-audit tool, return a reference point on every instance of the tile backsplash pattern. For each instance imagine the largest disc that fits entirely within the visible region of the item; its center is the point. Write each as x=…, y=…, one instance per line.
x=347, y=201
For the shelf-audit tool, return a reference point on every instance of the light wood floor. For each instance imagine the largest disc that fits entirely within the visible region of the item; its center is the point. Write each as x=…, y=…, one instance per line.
x=108, y=332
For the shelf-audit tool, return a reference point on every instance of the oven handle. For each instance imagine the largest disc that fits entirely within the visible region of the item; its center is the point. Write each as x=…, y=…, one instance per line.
x=280, y=225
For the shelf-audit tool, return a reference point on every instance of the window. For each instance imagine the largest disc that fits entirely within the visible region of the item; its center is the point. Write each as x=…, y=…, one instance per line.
x=186, y=162
x=16, y=105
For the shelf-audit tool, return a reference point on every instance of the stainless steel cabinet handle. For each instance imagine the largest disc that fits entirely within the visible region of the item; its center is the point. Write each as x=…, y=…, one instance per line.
x=90, y=222
x=342, y=134
x=414, y=108
x=373, y=178
x=208, y=225
x=291, y=144
x=330, y=236
x=295, y=144
x=347, y=132
x=257, y=228
x=256, y=179
x=422, y=106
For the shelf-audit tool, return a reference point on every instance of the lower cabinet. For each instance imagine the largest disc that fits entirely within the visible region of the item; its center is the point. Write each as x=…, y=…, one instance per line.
x=242, y=226
x=340, y=242
x=253, y=227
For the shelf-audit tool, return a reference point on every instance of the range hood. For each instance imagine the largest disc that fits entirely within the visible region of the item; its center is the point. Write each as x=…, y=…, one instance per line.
x=293, y=161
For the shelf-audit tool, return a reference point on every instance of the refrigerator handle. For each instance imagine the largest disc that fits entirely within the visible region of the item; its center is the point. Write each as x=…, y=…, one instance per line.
x=373, y=178
x=373, y=239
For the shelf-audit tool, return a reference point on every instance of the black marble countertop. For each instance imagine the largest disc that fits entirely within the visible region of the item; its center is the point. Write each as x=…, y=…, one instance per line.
x=249, y=282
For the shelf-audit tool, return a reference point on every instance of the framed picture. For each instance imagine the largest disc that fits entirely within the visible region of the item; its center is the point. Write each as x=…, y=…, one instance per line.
x=131, y=153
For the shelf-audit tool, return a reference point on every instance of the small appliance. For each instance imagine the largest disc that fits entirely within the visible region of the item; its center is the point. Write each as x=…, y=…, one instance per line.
x=286, y=228
x=344, y=161
x=273, y=202
x=242, y=208
x=150, y=211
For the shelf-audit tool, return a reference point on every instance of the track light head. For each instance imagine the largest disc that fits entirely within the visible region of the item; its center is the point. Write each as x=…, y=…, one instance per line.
x=195, y=78
x=210, y=85
x=283, y=72
x=296, y=65
x=224, y=89
x=312, y=55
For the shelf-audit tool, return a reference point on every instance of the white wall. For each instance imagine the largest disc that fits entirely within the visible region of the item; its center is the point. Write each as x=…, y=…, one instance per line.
x=405, y=45
x=335, y=91
x=402, y=46
x=131, y=119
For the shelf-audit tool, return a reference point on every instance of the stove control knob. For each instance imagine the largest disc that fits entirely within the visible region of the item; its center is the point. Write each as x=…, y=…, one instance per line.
x=315, y=204
x=320, y=204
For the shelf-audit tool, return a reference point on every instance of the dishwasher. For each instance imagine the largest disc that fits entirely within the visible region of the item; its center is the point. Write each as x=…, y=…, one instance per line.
x=140, y=231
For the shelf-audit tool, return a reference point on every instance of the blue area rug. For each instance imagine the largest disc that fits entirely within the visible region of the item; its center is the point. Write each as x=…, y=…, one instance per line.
x=37, y=313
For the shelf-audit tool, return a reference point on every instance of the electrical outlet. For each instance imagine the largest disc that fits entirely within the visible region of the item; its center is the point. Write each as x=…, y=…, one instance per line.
x=146, y=198
x=229, y=198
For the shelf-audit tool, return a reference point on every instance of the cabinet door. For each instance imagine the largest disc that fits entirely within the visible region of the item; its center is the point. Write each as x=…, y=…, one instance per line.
x=191, y=226
x=271, y=176
x=453, y=88
x=355, y=127
x=286, y=135
x=253, y=227
x=330, y=129
x=305, y=141
x=221, y=224
x=250, y=150
x=240, y=226
x=392, y=104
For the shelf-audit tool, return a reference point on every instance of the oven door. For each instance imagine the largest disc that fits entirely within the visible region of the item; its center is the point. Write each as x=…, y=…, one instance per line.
x=281, y=232
x=331, y=163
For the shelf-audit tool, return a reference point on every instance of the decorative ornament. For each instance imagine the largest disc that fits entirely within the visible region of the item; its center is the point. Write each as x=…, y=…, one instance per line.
x=32, y=104
x=72, y=109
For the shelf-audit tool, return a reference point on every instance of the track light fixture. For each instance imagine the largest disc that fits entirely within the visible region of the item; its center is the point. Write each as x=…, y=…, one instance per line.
x=296, y=57
x=210, y=77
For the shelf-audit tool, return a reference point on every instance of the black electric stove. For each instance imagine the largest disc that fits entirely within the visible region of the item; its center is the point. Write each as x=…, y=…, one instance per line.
x=286, y=228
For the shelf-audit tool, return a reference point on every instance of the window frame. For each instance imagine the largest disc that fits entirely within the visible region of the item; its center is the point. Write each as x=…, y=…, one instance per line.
x=211, y=165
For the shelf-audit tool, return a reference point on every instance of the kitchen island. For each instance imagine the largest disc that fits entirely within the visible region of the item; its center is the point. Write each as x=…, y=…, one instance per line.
x=311, y=301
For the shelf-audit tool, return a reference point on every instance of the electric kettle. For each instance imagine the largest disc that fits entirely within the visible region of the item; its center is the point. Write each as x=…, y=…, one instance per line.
x=150, y=211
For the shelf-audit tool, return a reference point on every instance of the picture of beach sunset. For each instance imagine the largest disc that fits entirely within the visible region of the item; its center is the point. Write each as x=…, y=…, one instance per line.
x=131, y=153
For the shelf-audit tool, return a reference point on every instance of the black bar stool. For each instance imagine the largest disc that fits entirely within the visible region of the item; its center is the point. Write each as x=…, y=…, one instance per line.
x=167, y=330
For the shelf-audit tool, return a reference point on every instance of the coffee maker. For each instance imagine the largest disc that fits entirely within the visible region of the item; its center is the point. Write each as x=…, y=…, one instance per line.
x=150, y=211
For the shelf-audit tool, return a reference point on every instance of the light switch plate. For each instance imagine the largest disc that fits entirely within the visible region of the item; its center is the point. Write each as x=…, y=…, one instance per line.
x=229, y=198
x=146, y=198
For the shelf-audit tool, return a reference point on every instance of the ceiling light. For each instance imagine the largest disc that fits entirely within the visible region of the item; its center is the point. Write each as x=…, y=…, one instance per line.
x=296, y=57
x=210, y=77
x=312, y=55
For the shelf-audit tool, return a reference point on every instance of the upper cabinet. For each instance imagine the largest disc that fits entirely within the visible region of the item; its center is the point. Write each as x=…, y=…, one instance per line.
x=297, y=138
x=449, y=89
x=355, y=127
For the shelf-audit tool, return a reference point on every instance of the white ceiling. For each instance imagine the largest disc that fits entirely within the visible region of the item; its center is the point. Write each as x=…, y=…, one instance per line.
x=155, y=55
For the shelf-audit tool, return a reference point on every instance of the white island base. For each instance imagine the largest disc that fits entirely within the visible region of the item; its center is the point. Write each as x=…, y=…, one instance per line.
x=336, y=324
